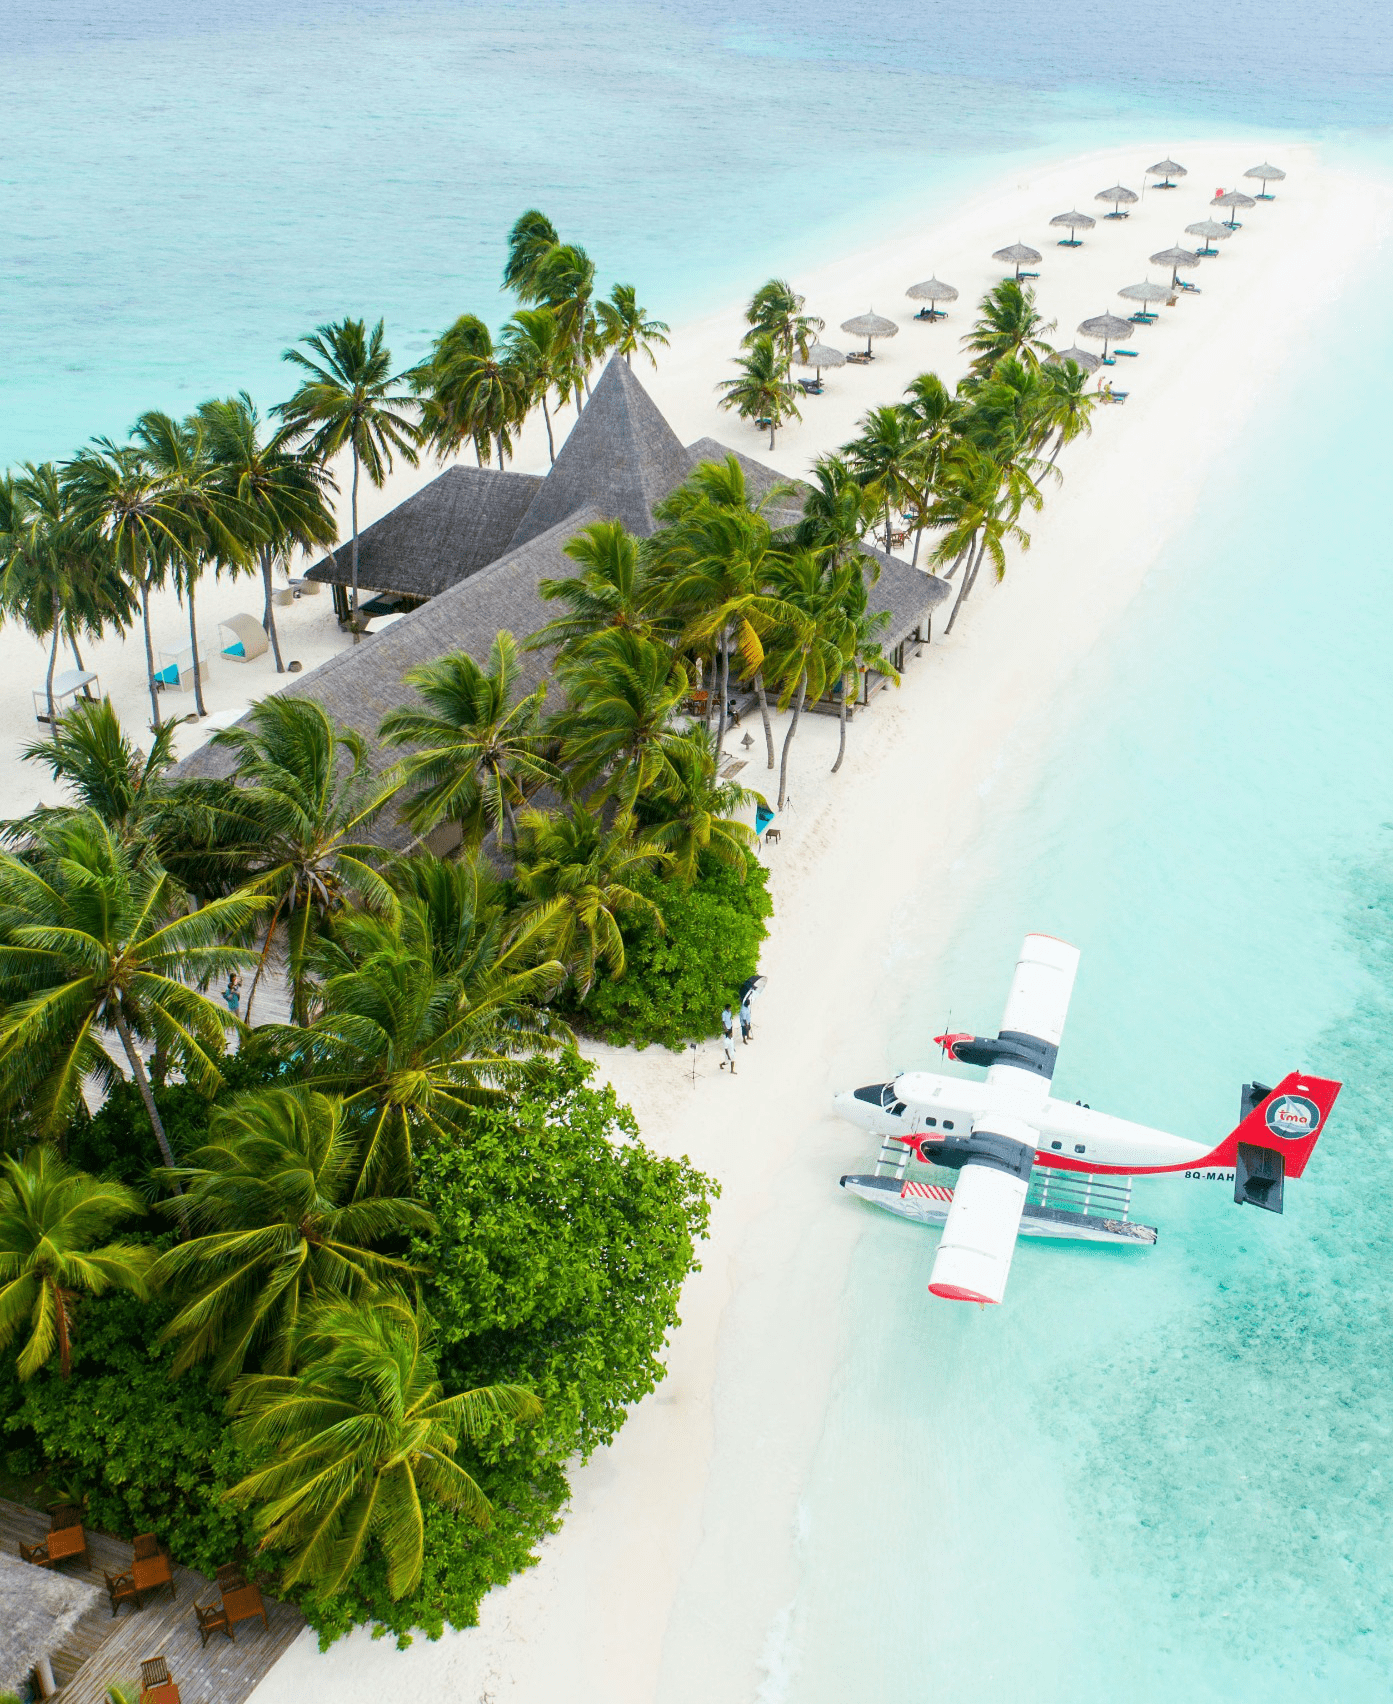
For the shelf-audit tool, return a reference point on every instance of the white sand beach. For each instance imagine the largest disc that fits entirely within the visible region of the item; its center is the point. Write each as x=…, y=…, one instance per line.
x=697, y=1498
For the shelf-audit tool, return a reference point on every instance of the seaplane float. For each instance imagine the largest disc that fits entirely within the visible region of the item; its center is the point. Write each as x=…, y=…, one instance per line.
x=1030, y=1165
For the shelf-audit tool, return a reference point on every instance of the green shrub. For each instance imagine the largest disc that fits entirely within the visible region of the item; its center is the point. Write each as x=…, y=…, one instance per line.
x=675, y=983
x=560, y=1255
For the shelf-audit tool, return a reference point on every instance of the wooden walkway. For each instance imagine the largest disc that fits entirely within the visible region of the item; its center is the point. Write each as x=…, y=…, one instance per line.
x=103, y=1648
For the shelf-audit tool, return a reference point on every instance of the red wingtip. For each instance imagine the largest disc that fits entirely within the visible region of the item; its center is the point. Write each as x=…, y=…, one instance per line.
x=953, y=1293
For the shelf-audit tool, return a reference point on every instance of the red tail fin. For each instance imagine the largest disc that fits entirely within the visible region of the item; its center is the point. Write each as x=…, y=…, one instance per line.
x=1289, y=1118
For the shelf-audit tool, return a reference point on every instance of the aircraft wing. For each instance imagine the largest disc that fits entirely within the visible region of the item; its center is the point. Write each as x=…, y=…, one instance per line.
x=973, y=1260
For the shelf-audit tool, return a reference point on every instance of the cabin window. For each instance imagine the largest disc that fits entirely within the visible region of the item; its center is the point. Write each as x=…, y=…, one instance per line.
x=897, y=1109
x=1056, y=1144
x=931, y=1124
x=948, y=1124
x=1078, y=1147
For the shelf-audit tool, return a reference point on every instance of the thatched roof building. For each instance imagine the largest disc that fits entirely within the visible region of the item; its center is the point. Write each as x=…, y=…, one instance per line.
x=621, y=459
x=38, y=1612
x=450, y=529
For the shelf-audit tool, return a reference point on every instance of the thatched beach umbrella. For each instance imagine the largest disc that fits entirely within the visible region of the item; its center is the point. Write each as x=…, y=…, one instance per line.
x=1212, y=231
x=1166, y=169
x=1233, y=199
x=1018, y=255
x=1267, y=174
x=1145, y=292
x=870, y=325
x=1108, y=327
x=931, y=290
x=1081, y=357
x=1175, y=258
x=1118, y=196
x=821, y=355
x=1074, y=222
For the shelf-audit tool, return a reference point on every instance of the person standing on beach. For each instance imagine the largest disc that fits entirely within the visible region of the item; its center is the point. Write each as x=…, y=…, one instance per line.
x=728, y=1047
x=727, y=1021
x=746, y=1020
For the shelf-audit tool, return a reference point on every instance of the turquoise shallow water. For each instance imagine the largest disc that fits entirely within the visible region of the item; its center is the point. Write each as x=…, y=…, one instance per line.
x=186, y=190
x=1163, y=1474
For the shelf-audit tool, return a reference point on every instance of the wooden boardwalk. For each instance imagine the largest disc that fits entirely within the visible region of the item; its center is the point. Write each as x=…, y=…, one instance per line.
x=103, y=1648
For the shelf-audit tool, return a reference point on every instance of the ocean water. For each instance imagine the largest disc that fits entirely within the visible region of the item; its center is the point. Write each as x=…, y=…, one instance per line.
x=1161, y=1474
x=185, y=190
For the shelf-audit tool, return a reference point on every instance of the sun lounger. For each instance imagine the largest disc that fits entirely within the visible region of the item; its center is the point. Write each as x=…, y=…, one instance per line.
x=1128, y=352
x=244, y=638
x=1194, y=289
x=1142, y=318
x=1029, y=275
x=930, y=314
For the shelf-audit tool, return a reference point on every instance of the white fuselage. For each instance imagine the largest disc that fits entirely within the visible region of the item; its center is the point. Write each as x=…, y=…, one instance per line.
x=1069, y=1136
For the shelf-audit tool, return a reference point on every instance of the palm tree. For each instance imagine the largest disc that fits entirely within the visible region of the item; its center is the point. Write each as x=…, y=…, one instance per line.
x=50, y=1219
x=806, y=651
x=531, y=237
x=469, y=393
x=354, y=1442
x=478, y=750
x=535, y=350
x=213, y=527
x=692, y=817
x=95, y=936
x=573, y=875
x=55, y=574
x=91, y=755
x=122, y=499
x=762, y=391
x=888, y=459
x=614, y=590
x=1068, y=404
x=623, y=692
x=307, y=794
x=565, y=281
x=1007, y=324
x=349, y=398
x=271, y=1225
x=626, y=328
x=409, y=1039
x=979, y=512
x=837, y=510
x=858, y=640
x=283, y=495
x=776, y=311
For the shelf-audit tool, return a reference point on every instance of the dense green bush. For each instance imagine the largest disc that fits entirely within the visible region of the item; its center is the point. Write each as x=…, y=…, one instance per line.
x=561, y=1251
x=151, y=1455
x=675, y=983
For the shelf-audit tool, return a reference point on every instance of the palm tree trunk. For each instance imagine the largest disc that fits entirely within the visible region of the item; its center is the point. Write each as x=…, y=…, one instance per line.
x=500, y=453
x=551, y=442
x=60, y=1319
x=355, y=544
x=764, y=716
x=1058, y=446
x=725, y=694
x=198, y=703
x=268, y=620
x=149, y=650
x=512, y=822
x=773, y=428
x=143, y=1083
x=77, y=655
x=969, y=575
x=788, y=738
x=841, y=732
x=887, y=526
x=53, y=664
x=265, y=954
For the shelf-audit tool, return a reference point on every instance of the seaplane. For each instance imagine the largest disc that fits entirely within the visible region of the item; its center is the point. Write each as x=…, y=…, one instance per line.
x=1030, y=1165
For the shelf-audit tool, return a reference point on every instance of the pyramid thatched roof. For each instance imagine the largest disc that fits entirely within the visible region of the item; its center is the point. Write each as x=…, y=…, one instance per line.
x=621, y=458
x=449, y=529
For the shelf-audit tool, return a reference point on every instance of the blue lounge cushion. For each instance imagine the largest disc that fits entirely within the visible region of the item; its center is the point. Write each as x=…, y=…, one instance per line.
x=238, y=649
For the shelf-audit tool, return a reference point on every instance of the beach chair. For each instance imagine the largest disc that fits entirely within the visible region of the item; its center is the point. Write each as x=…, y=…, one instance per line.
x=212, y=1618
x=121, y=1588
x=243, y=638
x=1193, y=289
x=1142, y=318
x=176, y=667
x=156, y=1684
x=1028, y=275
x=1131, y=354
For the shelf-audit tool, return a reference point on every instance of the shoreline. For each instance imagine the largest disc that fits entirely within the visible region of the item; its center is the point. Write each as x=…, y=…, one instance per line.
x=647, y=1591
